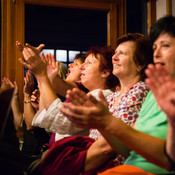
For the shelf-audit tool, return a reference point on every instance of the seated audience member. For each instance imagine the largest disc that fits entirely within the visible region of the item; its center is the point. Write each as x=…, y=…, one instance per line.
x=11, y=159
x=98, y=66
x=147, y=140
x=47, y=118
x=93, y=152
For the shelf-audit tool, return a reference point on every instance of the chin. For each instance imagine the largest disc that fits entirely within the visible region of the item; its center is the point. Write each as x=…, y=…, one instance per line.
x=115, y=73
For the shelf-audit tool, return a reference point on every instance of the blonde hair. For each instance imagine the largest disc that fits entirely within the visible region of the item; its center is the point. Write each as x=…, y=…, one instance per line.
x=62, y=71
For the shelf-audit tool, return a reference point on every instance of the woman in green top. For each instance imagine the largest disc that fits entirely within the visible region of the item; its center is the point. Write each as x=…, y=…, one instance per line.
x=148, y=138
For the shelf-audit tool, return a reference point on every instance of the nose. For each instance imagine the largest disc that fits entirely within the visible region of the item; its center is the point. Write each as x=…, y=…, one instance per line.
x=115, y=57
x=82, y=66
x=70, y=65
x=157, y=53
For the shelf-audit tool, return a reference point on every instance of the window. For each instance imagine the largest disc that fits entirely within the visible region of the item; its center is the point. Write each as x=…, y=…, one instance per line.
x=65, y=56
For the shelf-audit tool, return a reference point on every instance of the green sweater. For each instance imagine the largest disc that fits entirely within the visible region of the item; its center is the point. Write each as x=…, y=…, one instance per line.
x=152, y=121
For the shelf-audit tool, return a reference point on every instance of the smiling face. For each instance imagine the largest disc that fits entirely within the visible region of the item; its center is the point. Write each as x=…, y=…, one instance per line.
x=91, y=77
x=123, y=61
x=74, y=71
x=164, y=52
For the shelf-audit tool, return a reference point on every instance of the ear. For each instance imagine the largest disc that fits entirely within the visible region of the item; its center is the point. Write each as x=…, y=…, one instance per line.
x=139, y=68
x=105, y=74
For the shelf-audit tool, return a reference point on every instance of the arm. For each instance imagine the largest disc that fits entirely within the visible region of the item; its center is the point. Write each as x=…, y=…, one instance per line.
x=15, y=103
x=38, y=66
x=29, y=111
x=18, y=115
x=98, y=116
x=98, y=153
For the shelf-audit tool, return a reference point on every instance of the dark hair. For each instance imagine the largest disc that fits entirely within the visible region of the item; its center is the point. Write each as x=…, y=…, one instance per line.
x=80, y=56
x=165, y=24
x=143, y=54
x=104, y=54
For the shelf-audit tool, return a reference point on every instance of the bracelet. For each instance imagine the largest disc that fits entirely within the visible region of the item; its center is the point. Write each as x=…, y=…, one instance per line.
x=27, y=101
x=171, y=162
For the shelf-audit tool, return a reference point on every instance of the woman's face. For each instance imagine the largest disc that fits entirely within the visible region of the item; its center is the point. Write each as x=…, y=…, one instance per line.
x=164, y=52
x=74, y=71
x=91, y=78
x=123, y=62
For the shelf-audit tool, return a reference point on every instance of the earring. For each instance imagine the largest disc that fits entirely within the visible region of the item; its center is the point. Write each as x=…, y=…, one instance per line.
x=103, y=76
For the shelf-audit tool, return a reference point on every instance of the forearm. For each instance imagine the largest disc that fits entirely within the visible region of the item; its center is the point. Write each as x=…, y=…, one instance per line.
x=18, y=116
x=61, y=86
x=98, y=153
x=116, y=144
x=29, y=111
x=41, y=104
x=170, y=142
x=47, y=93
x=138, y=142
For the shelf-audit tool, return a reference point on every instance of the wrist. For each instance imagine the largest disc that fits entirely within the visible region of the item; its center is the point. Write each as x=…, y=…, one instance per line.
x=26, y=95
x=15, y=95
x=26, y=102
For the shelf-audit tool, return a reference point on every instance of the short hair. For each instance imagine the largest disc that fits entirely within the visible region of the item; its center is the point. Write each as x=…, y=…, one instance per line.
x=104, y=55
x=143, y=53
x=165, y=24
x=80, y=56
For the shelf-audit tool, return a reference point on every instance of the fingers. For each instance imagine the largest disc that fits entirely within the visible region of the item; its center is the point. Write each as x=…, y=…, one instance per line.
x=43, y=58
x=40, y=47
x=76, y=96
x=75, y=109
x=19, y=45
x=155, y=77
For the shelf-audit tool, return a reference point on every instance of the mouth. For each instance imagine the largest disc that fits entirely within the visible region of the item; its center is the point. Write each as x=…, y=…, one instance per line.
x=159, y=63
x=68, y=72
x=115, y=64
x=82, y=74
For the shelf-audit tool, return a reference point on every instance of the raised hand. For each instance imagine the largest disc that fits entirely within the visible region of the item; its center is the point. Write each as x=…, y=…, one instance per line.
x=52, y=66
x=8, y=84
x=163, y=88
x=78, y=97
x=93, y=115
x=37, y=64
x=28, y=83
x=35, y=99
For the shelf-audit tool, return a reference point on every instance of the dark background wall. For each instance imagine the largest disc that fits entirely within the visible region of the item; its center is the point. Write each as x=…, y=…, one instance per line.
x=136, y=15
x=65, y=28
x=77, y=29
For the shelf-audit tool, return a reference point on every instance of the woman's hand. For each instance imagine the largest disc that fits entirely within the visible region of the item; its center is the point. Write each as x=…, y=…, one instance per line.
x=36, y=63
x=35, y=99
x=163, y=88
x=85, y=111
x=52, y=67
x=6, y=83
x=28, y=83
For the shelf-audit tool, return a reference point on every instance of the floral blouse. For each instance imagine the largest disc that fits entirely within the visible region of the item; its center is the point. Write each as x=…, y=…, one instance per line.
x=127, y=109
x=128, y=106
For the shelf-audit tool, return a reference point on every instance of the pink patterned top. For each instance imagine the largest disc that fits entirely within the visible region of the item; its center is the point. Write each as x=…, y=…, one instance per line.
x=127, y=109
x=128, y=106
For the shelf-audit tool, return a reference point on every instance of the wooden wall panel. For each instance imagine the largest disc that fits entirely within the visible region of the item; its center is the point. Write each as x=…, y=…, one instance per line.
x=12, y=30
